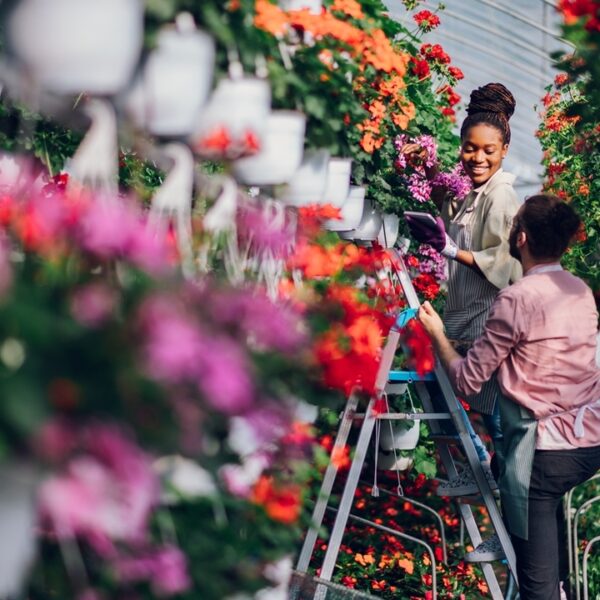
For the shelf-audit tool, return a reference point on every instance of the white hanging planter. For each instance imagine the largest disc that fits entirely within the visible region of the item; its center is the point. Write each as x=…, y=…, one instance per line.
x=313, y=6
x=338, y=181
x=388, y=461
x=168, y=97
x=73, y=46
x=351, y=211
x=369, y=226
x=398, y=436
x=281, y=153
x=388, y=234
x=234, y=121
x=307, y=186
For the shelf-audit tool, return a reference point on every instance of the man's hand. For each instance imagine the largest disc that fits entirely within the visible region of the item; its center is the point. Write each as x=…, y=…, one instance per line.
x=431, y=321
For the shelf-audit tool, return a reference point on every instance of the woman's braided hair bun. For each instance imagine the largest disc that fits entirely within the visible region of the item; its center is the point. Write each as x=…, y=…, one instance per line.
x=492, y=104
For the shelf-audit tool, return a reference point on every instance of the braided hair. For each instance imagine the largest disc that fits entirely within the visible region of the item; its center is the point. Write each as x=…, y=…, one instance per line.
x=493, y=105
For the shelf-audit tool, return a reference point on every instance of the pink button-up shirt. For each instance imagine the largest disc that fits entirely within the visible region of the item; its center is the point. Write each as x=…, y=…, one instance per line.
x=541, y=336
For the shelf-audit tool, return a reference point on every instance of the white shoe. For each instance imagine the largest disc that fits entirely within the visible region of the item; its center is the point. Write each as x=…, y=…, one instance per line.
x=464, y=484
x=487, y=551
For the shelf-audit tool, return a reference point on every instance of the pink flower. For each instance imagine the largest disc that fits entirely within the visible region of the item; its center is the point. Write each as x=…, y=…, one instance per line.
x=177, y=348
x=225, y=376
x=105, y=494
x=93, y=304
x=269, y=325
x=264, y=231
x=165, y=568
x=113, y=228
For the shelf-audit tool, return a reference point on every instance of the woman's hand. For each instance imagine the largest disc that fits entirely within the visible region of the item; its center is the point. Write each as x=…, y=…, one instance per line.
x=431, y=321
x=415, y=155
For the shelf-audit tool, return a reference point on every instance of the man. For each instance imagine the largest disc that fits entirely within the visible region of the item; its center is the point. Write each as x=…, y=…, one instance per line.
x=540, y=337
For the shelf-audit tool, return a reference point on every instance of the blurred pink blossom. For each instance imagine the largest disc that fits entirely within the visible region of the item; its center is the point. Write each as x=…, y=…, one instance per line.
x=177, y=348
x=166, y=568
x=269, y=325
x=105, y=493
x=115, y=228
x=93, y=304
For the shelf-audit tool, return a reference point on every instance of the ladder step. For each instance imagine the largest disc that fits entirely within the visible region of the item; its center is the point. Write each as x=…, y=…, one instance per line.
x=475, y=499
x=409, y=376
x=445, y=438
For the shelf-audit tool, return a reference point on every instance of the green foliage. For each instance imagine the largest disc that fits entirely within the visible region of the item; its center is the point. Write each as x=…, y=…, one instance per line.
x=572, y=163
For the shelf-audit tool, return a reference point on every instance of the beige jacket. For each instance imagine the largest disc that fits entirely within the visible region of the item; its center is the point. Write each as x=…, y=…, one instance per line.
x=495, y=206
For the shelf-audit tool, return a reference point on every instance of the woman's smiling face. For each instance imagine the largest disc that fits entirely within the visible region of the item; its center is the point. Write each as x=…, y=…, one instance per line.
x=481, y=153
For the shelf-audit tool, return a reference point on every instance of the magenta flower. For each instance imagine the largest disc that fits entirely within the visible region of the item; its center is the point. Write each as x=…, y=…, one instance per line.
x=112, y=228
x=105, y=494
x=93, y=304
x=456, y=182
x=165, y=568
x=225, y=376
x=419, y=186
x=268, y=325
x=264, y=230
x=433, y=262
x=177, y=348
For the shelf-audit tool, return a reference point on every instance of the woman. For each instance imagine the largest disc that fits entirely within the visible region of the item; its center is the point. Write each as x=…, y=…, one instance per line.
x=540, y=337
x=477, y=246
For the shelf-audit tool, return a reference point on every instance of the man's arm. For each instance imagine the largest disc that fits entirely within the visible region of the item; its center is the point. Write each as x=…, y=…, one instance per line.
x=435, y=328
x=501, y=333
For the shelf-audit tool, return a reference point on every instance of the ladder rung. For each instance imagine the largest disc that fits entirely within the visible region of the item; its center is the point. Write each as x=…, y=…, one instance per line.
x=445, y=438
x=407, y=416
x=475, y=499
x=409, y=376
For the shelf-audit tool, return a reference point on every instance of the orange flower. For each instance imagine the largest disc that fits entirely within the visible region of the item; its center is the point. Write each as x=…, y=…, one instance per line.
x=378, y=51
x=365, y=335
x=364, y=559
x=406, y=114
x=270, y=17
x=584, y=189
x=369, y=143
x=280, y=503
x=340, y=457
x=377, y=109
x=392, y=86
x=349, y=7
x=407, y=565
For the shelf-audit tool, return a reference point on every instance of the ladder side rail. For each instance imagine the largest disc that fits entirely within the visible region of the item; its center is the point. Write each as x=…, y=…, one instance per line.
x=465, y=438
x=326, y=486
x=465, y=511
x=341, y=520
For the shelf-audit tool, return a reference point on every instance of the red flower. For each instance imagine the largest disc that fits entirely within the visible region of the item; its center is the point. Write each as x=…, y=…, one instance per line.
x=420, y=350
x=251, y=142
x=217, y=141
x=456, y=73
x=420, y=68
x=426, y=20
x=561, y=79
x=435, y=53
x=282, y=504
x=427, y=285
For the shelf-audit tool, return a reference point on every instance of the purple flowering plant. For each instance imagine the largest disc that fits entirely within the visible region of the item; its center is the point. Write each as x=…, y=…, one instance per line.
x=110, y=359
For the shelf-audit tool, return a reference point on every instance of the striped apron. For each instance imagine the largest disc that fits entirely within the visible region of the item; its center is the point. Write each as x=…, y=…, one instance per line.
x=470, y=297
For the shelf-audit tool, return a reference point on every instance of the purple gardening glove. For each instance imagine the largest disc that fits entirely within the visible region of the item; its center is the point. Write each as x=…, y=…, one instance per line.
x=429, y=230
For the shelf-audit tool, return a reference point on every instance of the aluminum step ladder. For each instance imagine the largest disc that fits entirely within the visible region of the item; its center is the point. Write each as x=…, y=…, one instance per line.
x=386, y=380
